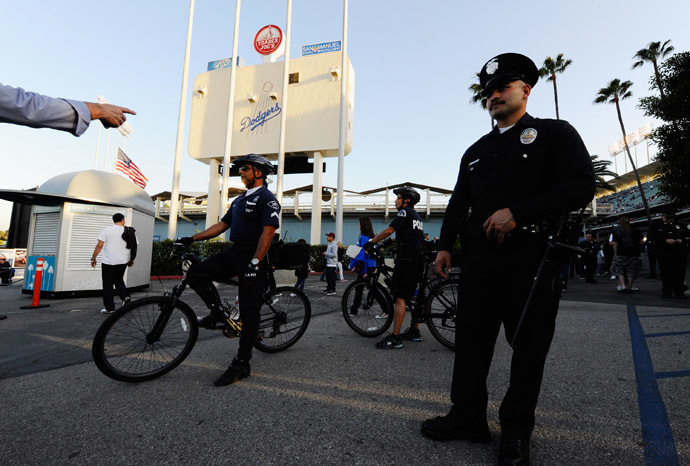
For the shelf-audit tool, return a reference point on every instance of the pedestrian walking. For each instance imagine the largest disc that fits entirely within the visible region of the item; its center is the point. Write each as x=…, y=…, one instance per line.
x=116, y=258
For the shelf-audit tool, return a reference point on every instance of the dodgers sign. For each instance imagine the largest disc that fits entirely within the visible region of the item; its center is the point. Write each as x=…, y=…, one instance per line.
x=321, y=48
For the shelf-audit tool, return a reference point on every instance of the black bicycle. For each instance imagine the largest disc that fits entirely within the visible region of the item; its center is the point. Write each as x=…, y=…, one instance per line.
x=368, y=306
x=151, y=336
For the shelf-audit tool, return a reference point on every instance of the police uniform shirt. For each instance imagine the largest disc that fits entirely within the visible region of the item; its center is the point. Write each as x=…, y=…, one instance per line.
x=658, y=235
x=250, y=213
x=409, y=232
x=539, y=169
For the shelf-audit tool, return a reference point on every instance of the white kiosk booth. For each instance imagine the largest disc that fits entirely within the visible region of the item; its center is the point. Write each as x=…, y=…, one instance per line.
x=68, y=212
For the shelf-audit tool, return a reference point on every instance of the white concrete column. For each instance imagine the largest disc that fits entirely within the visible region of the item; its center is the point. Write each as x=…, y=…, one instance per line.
x=214, y=195
x=316, y=199
x=387, y=208
x=428, y=203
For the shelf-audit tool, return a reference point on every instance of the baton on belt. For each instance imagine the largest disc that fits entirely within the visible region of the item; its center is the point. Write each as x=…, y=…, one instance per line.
x=551, y=244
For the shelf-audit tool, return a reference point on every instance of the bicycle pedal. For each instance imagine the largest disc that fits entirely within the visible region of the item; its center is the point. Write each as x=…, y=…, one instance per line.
x=230, y=332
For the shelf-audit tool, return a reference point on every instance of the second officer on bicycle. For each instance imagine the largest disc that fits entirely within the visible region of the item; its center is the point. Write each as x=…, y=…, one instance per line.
x=409, y=235
x=252, y=219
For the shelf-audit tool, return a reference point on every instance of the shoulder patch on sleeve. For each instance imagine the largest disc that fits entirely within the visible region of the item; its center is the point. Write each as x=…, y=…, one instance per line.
x=402, y=213
x=274, y=205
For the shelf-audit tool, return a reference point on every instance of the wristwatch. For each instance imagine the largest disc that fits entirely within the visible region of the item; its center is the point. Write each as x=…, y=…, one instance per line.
x=255, y=261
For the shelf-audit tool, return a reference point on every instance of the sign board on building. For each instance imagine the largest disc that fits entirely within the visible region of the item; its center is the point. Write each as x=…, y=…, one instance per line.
x=223, y=63
x=321, y=48
x=268, y=39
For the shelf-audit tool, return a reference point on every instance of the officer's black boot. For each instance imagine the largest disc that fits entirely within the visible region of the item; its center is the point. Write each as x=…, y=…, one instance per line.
x=210, y=321
x=238, y=370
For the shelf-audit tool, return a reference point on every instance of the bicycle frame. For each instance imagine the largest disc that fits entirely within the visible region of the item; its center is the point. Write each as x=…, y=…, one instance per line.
x=424, y=286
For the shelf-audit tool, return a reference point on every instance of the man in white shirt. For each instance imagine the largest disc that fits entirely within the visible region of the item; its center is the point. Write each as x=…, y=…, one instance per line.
x=116, y=258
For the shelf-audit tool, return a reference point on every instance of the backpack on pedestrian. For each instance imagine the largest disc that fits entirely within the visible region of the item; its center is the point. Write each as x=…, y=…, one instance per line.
x=130, y=237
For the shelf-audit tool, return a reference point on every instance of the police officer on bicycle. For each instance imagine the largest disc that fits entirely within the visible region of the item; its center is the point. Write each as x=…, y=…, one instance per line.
x=252, y=219
x=409, y=264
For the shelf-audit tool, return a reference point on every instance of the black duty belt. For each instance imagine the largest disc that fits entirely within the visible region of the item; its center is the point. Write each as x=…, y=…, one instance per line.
x=475, y=231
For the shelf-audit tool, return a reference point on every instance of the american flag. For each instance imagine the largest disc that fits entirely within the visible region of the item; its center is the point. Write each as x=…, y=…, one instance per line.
x=129, y=168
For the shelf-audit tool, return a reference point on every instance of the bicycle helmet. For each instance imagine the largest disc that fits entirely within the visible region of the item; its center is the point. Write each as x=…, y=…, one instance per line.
x=257, y=161
x=408, y=192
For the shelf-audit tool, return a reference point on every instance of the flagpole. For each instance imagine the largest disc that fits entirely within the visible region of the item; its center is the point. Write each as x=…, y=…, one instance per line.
x=343, y=129
x=175, y=193
x=101, y=100
x=117, y=138
x=98, y=142
x=283, y=111
x=107, y=144
x=230, y=118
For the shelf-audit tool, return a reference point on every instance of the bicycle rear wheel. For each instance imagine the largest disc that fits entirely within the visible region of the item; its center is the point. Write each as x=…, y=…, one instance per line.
x=285, y=316
x=124, y=349
x=441, y=308
x=368, y=311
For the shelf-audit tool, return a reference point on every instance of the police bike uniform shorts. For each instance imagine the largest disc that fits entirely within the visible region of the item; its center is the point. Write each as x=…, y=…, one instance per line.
x=406, y=276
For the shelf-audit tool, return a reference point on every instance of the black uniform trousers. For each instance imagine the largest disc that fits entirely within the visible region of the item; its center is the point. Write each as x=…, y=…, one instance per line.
x=112, y=276
x=222, y=267
x=330, y=278
x=494, y=286
x=672, y=262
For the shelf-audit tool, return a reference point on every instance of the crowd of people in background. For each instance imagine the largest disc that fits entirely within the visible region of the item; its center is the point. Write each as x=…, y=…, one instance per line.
x=619, y=254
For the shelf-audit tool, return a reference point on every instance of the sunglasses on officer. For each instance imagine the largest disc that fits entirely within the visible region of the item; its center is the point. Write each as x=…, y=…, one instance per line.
x=245, y=168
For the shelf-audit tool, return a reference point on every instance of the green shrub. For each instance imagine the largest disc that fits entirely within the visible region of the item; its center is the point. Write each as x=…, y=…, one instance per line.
x=163, y=264
x=316, y=262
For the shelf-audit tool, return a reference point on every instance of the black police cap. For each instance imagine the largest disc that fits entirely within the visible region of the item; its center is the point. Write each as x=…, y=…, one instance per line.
x=505, y=68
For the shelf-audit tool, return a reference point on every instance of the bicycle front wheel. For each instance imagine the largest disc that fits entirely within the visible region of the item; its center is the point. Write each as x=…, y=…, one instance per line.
x=145, y=339
x=285, y=316
x=367, y=310
x=441, y=309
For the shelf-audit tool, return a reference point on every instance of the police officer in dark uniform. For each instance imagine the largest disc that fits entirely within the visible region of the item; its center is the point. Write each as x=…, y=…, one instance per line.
x=409, y=236
x=252, y=220
x=670, y=242
x=591, y=248
x=514, y=185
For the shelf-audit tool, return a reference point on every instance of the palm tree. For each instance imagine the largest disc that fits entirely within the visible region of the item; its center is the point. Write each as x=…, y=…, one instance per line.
x=651, y=54
x=601, y=169
x=550, y=68
x=613, y=94
x=477, y=96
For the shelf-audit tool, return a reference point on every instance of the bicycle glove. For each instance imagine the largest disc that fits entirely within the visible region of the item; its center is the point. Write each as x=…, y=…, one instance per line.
x=186, y=241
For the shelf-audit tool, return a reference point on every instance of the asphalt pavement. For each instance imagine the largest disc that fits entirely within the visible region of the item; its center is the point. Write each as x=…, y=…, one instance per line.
x=614, y=392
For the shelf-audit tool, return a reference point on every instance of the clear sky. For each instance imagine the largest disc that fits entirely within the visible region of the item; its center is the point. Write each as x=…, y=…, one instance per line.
x=413, y=62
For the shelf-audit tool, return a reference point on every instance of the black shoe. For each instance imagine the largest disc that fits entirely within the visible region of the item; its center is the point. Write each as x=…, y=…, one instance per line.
x=447, y=428
x=238, y=370
x=3, y=317
x=212, y=320
x=513, y=452
x=390, y=342
x=411, y=334
x=353, y=311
